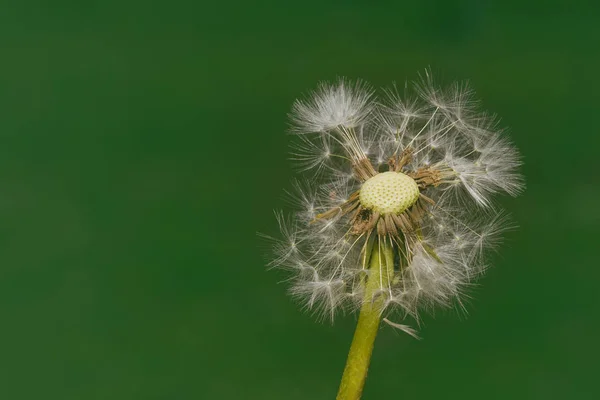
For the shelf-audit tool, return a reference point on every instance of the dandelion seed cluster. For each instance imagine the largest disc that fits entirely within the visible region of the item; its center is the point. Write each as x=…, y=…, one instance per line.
x=415, y=171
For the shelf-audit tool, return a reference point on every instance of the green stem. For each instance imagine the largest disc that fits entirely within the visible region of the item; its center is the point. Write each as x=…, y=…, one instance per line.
x=381, y=270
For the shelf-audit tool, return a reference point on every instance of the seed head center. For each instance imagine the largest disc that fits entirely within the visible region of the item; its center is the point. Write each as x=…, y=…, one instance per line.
x=389, y=192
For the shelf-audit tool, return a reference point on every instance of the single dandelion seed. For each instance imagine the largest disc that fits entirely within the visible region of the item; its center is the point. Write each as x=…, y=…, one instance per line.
x=397, y=212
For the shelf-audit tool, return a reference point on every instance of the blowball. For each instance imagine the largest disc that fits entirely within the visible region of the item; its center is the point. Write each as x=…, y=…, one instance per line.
x=416, y=173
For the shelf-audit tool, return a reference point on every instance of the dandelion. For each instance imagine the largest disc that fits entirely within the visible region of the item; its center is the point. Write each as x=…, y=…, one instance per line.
x=397, y=211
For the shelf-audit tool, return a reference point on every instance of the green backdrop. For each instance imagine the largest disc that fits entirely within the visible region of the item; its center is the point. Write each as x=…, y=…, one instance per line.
x=143, y=145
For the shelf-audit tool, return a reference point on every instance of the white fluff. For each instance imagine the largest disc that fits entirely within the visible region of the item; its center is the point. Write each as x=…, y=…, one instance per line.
x=343, y=122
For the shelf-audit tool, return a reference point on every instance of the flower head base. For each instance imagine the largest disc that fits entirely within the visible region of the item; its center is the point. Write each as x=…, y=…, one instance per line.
x=389, y=193
x=406, y=181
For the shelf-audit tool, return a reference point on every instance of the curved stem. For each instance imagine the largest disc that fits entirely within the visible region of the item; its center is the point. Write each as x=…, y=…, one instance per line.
x=381, y=270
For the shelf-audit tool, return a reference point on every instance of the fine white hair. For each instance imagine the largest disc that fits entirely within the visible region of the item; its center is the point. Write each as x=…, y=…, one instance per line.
x=343, y=124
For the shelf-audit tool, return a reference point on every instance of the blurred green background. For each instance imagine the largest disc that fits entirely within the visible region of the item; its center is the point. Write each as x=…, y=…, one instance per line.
x=143, y=145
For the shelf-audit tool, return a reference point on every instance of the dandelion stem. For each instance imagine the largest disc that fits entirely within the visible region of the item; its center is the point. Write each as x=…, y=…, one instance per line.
x=381, y=269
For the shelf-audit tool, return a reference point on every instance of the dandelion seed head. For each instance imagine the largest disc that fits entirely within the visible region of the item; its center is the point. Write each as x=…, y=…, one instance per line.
x=417, y=172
